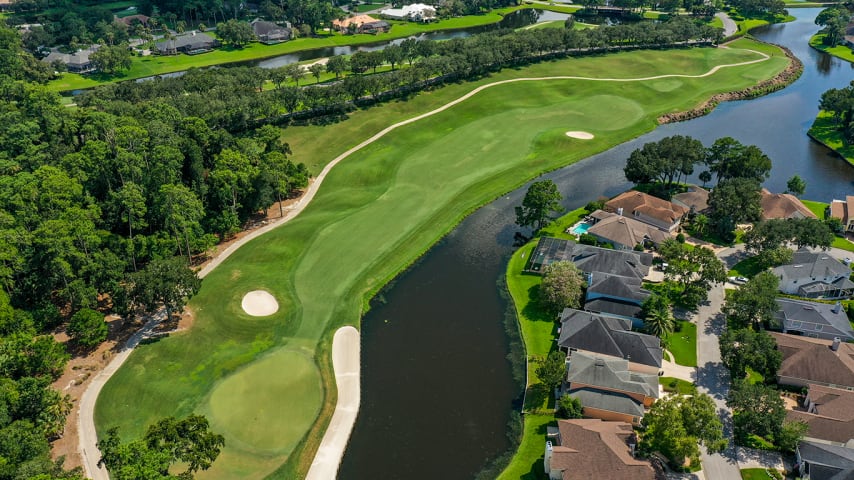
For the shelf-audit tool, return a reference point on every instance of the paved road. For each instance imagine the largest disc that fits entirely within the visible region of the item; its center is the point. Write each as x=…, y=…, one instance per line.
x=713, y=379
x=729, y=25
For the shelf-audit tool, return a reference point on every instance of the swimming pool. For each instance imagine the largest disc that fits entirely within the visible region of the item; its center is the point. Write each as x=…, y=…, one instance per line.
x=580, y=229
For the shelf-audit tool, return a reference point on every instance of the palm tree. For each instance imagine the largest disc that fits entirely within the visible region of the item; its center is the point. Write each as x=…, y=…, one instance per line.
x=700, y=223
x=659, y=322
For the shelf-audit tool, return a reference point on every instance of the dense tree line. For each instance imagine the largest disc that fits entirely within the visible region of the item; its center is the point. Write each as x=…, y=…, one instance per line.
x=835, y=22
x=231, y=98
x=839, y=103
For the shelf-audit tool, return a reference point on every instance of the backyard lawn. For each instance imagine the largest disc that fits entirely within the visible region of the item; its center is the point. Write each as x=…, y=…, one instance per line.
x=748, y=268
x=840, y=51
x=683, y=344
x=824, y=131
x=384, y=206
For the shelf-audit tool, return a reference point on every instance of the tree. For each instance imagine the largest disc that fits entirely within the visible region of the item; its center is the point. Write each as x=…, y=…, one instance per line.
x=235, y=32
x=677, y=425
x=561, y=287
x=774, y=234
x=796, y=186
x=316, y=70
x=657, y=316
x=541, y=199
x=734, y=201
x=569, y=407
x=790, y=435
x=111, y=59
x=759, y=410
x=165, y=282
x=729, y=159
x=295, y=72
x=834, y=20
x=665, y=161
x=88, y=328
x=754, y=303
x=188, y=442
x=552, y=369
x=336, y=64
x=694, y=270
x=705, y=177
x=743, y=348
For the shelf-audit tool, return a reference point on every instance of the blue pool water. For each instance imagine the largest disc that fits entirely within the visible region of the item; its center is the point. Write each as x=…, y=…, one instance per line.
x=581, y=228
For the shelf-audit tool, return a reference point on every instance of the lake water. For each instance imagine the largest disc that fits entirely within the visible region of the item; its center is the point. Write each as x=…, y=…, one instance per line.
x=437, y=388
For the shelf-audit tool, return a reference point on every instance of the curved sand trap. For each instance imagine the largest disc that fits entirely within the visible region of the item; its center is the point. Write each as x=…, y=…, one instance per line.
x=259, y=303
x=579, y=135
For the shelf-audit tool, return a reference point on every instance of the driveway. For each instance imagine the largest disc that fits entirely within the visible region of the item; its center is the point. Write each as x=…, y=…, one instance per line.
x=729, y=25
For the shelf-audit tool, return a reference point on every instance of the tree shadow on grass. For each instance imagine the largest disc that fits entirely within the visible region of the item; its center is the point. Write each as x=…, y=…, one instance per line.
x=537, y=397
x=533, y=311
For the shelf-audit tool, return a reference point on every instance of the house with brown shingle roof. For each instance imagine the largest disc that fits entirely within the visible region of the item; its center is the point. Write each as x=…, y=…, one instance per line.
x=783, y=205
x=624, y=233
x=828, y=413
x=648, y=209
x=806, y=361
x=363, y=23
x=844, y=210
x=585, y=449
x=696, y=199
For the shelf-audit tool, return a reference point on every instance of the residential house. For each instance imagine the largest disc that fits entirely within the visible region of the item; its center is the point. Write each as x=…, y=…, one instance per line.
x=820, y=461
x=806, y=361
x=783, y=205
x=343, y=25
x=696, y=199
x=270, y=33
x=591, y=334
x=848, y=38
x=379, y=26
x=829, y=415
x=77, y=62
x=190, y=43
x=588, y=258
x=844, y=211
x=608, y=389
x=817, y=320
x=624, y=233
x=815, y=275
x=615, y=295
x=585, y=449
x=416, y=12
x=648, y=209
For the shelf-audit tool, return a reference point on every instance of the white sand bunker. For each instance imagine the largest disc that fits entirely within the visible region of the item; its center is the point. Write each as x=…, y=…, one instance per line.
x=579, y=135
x=259, y=303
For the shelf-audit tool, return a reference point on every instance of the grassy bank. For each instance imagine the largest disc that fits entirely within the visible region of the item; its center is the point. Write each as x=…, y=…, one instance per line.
x=375, y=213
x=839, y=51
x=824, y=131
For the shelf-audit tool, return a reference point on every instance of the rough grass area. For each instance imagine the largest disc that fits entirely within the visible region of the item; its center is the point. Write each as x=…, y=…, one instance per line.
x=677, y=385
x=839, y=51
x=683, y=344
x=528, y=462
x=824, y=131
x=375, y=213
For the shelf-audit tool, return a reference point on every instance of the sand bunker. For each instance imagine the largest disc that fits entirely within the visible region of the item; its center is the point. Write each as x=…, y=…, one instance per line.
x=579, y=135
x=259, y=303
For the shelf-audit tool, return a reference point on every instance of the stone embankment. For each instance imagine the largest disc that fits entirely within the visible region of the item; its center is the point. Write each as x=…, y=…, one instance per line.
x=780, y=81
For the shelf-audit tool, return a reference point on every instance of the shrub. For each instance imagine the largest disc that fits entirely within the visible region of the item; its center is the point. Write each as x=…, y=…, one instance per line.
x=88, y=328
x=587, y=239
x=680, y=238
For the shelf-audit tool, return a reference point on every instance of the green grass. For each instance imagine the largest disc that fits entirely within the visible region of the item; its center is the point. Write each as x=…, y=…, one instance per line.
x=528, y=462
x=824, y=131
x=683, y=344
x=748, y=267
x=362, y=7
x=677, y=385
x=839, y=51
x=759, y=443
x=755, y=474
x=375, y=213
x=842, y=243
x=754, y=377
x=558, y=227
x=817, y=208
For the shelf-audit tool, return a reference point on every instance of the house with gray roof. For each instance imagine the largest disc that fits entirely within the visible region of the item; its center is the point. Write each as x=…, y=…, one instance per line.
x=588, y=258
x=812, y=319
x=270, y=33
x=815, y=275
x=592, y=334
x=190, y=43
x=615, y=295
x=820, y=461
x=77, y=62
x=607, y=388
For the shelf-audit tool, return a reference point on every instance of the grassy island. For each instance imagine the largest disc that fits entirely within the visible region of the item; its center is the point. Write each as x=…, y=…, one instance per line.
x=374, y=214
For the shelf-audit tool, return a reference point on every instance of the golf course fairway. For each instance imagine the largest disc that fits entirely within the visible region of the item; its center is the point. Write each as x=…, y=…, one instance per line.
x=266, y=382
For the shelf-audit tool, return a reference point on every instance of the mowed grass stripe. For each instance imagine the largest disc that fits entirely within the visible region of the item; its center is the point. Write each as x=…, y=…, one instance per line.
x=375, y=212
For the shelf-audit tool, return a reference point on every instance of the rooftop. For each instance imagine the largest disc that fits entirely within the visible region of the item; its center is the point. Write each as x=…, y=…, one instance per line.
x=625, y=230
x=695, y=198
x=783, y=205
x=812, y=317
x=842, y=209
x=589, y=447
x=634, y=202
x=813, y=360
x=608, y=336
x=355, y=19
x=588, y=259
x=832, y=414
x=610, y=373
x=806, y=264
x=827, y=461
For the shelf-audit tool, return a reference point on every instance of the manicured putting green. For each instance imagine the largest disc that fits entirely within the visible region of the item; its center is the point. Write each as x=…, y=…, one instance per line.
x=374, y=214
x=267, y=406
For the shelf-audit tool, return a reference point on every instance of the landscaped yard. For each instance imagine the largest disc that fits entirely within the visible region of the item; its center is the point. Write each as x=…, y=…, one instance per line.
x=748, y=268
x=817, y=208
x=677, y=385
x=375, y=213
x=755, y=474
x=532, y=450
x=824, y=130
x=683, y=344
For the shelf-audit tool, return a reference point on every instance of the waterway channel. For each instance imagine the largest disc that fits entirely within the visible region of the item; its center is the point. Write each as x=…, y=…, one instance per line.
x=437, y=387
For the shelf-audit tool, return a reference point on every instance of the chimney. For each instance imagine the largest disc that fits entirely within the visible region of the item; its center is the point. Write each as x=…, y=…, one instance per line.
x=837, y=308
x=620, y=211
x=835, y=345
